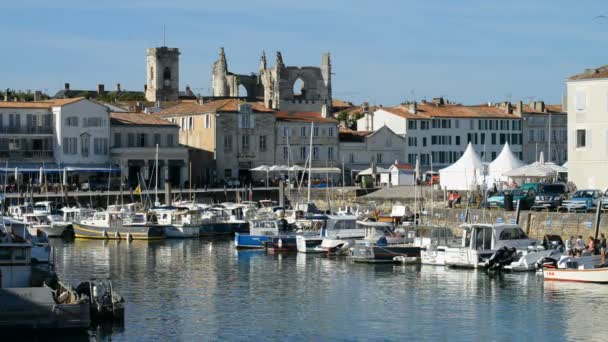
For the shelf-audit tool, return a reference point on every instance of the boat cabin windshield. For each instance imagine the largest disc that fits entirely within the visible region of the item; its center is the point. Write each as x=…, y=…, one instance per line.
x=515, y=233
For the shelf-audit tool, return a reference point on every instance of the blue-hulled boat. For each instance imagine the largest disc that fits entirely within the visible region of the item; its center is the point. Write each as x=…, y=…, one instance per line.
x=260, y=231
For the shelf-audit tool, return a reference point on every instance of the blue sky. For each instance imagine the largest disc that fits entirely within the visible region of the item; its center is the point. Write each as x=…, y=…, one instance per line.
x=383, y=52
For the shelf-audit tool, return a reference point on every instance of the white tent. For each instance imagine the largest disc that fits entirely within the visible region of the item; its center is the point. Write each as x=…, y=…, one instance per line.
x=464, y=173
x=379, y=170
x=536, y=170
x=506, y=161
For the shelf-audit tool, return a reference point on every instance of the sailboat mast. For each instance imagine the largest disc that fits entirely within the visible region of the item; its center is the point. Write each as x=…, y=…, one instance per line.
x=432, y=190
x=156, y=185
x=312, y=127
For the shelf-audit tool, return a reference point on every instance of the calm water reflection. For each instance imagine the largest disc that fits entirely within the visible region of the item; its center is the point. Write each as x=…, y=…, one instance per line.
x=205, y=290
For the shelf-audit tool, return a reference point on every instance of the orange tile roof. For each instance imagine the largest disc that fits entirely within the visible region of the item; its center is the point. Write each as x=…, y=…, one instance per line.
x=341, y=103
x=215, y=106
x=303, y=117
x=39, y=104
x=595, y=73
x=138, y=119
x=429, y=111
x=403, y=166
x=553, y=109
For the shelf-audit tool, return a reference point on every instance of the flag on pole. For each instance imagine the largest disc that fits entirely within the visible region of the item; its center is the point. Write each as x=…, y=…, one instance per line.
x=138, y=190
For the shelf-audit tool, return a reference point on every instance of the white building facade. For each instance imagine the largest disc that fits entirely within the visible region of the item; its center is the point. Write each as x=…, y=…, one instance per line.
x=439, y=132
x=134, y=138
x=588, y=129
x=359, y=149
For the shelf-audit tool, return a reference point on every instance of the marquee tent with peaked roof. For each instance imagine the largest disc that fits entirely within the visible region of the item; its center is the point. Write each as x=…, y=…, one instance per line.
x=464, y=174
x=506, y=161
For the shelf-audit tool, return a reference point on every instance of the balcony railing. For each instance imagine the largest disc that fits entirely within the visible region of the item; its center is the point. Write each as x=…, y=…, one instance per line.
x=26, y=154
x=26, y=130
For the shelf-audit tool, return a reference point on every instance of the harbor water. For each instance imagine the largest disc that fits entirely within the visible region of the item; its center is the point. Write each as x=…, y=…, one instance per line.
x=202, y=290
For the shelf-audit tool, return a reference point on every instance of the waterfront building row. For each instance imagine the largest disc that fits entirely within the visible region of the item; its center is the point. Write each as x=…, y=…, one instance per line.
x=82, y=134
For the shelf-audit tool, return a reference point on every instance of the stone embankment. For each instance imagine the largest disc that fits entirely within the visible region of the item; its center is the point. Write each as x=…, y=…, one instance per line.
x=536, y=224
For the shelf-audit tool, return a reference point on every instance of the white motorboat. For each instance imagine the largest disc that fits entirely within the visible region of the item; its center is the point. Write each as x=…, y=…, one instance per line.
x=584, y=269
x=335, y=230
x=46, y=208
x=179, y=222
x=481, y=241
x=42, y=222
x=432, y=242
x=40, y=248
x=595, y=275
x=17, y=211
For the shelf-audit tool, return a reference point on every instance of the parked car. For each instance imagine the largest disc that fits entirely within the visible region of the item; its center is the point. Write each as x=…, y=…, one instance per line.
x=550, y=195
x=497, y=200
x=583, y=200
x=526, y=197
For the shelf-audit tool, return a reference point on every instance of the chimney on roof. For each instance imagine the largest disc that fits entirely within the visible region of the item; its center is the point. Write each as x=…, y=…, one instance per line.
x=66, y=86
x=118, y=87
x=438, y=101
x=101, y=89
x=539, y=106
x=519, y=107
x=324, y=111
x=412, y=107
x=508, y=108
x=37, y=95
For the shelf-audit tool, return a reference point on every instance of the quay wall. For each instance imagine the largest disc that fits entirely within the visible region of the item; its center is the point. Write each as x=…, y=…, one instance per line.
x=535, y=223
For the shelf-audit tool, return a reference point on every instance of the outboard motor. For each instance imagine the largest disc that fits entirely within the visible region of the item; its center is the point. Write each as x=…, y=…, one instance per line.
x=546, y=262
x=501, y=258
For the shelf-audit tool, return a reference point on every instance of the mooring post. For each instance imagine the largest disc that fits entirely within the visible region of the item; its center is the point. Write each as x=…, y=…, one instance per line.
x=598, y=214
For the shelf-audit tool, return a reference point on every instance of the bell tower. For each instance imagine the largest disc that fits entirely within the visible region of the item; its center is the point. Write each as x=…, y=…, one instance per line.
x=162, y=73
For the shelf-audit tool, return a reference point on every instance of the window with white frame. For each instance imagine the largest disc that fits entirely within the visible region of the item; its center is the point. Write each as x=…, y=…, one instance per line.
x=262, y=143
x=581, y=100
x=190, y=123
x=331, y=132
x=303, y=152
x=378, y=157
x=315, y=153
x=330, y=153
x=207, y=120
x=303, y=131
x=227, y=142
x=92, y=122
x=245, y=142
x=85, y=142
x=246, y=120
x=316, y=131
x=351, y=157
x=285, y=153
x=71, y=121
x=581, y=138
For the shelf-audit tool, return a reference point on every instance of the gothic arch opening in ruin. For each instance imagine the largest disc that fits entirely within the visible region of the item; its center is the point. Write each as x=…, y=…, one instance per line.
x=298, y=88
x=243, y=91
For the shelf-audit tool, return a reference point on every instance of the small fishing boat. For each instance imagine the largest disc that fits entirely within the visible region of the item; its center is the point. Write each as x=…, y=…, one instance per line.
x=596, y=275
x=118, y=226
x=260, y=231
x=43, y=222
x=376, y=249
x=179, y=222
x=333, y=230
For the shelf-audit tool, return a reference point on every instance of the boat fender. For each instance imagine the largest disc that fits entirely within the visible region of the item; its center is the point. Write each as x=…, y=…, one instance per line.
x=280, y=244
